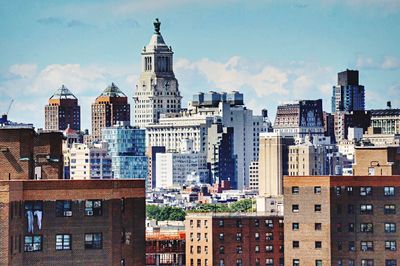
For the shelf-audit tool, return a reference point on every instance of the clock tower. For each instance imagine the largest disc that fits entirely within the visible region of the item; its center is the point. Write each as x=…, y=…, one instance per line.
x=157, y=89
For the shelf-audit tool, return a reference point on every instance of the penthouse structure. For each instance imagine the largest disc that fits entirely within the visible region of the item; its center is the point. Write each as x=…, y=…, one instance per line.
x=223, y=239
x=62, y=111
x=348, y=95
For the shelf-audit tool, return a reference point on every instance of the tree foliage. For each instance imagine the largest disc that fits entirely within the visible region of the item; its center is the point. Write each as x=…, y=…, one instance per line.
x=165, y=213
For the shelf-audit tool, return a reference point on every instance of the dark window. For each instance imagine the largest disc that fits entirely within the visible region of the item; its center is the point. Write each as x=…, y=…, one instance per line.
x=94, y=241
x=388, y=191
x=367, y=227
x=366, y=209
x=390, y=227
x=239, y=250
x=238, y=236
x=221, y=223
x=317, y=190
x=93, y=208
x=339, y=227
x=339, y=245
x=221, y=250
x=367, y=262
x=295, y=190
x=365, y=191
x=63, y=242
x=367, y=246
x=295, y=244
x=33, y=243
x=269, y=236
x=296, y=262
x=318, y=244
x=256, y=222
x=390, y=245
x=295, y=226
x=390, y=209
x=295, y=208
x=318, y=262
x=390, y=263
x=317, y=207
x=63, y=208
x=351, y=227
x=352, y=246
x=350, y=209
x=318, y=226
x=269, y=223
x=239, y=223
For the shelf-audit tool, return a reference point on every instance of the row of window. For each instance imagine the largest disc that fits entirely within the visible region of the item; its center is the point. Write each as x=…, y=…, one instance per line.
x=364, y=208
x=351, y=262
x=364, y=227
x=268, y=223
x=34, y=243
x=239, y=262
x=364, y=245
x=364, y=191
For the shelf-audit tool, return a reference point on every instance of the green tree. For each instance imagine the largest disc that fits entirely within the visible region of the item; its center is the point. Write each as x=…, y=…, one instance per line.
x=245, y=205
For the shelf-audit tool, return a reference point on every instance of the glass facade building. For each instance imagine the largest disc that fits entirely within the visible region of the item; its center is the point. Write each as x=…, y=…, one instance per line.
x=126, y=146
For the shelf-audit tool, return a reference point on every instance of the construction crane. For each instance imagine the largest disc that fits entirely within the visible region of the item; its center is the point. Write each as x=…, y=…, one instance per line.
x=9, y=107
x=4, y=117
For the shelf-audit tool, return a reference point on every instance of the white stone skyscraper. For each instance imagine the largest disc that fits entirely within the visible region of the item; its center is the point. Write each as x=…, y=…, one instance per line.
x=157, y=89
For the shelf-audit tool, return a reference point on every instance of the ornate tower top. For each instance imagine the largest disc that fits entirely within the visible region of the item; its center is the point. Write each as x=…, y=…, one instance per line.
x=157, y=25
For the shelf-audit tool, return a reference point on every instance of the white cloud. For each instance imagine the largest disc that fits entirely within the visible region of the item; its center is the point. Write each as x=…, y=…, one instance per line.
x=23, y=70
x=385, y=63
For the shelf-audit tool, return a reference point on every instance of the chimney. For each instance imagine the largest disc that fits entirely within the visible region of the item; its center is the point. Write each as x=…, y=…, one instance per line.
x=389, y=105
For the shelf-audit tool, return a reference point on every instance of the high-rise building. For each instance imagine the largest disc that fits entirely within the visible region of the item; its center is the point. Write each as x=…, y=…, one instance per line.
x=127, y=147
x=341, y=220
x=108, y=109
x=254, y=176
x=151, y=153
x=300, y=118
x=348, y=95
x=225, y=239
x=157, y=90
x=273, y=163
x=354, y=119
x=62, y=111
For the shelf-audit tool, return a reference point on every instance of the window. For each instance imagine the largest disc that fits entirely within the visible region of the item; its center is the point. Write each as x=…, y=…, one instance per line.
x=352, y=246
x=269, y=248
x=269, y=262
x=318, y=226
x=269, y=236
x=295, y=190
x=350, y=209
x=318, y=262
x=221, y=262
x=368, y=262
x=238, y=236
x=317, y=190
x=239, y=262
x=350, y=227
x=221, y=236
x=390, y=263
x=367, y=227
x=350, y=263
x=390, y=209
x=390, y=245
x=318, y=244
x=339, y=245
x=33, y=243
x=198, y=249
x=338, y=191
x=93, y=241
x=367, y=246
x=191, y=249
x=257, y=249
x=349, y=191
x=296, y=262
x=388, y=191
x=191, y=223
x=256, y=222
x=257, y=236
x=295, y=208
x=269, y=223
x=63, y=208
x=239, y=250
x=339, y=227
x=257, y=262
x=239, y=223
x=63, y=242
x=93, y=208
x=198, y=223
x=295, y=244
x=221, y=250
x=221, y=223
x=295, y=226
x=390, y=227
x=366, y=209
x=317, y=207
x=365, y=191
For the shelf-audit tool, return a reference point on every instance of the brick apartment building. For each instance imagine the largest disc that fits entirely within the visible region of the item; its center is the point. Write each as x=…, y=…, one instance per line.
x=64, y=222
x=341, y=220
x=229, y=239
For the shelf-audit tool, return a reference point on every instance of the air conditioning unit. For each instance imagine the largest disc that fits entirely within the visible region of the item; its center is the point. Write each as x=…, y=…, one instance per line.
x=89, y=213
x=68, y=213
x=30, y=248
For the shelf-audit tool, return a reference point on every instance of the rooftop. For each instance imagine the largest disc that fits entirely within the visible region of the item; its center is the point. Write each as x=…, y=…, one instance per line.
x=112, y=91
x=63, y=93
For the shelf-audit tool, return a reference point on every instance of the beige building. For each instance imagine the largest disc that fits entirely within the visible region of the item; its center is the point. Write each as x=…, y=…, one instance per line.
x=273, y=163
x=374, y=160
x=306, y=159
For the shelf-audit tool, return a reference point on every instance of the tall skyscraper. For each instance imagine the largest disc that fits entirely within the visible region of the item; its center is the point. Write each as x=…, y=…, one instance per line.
x=62, y=110
x=348, y=95
x=157, y=89
x=109, y=108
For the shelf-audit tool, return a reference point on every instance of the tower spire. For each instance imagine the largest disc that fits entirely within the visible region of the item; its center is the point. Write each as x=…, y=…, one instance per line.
x=157, y=25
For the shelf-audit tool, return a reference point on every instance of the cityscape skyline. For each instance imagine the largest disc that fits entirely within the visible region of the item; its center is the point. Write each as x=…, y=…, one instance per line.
x=264, y=62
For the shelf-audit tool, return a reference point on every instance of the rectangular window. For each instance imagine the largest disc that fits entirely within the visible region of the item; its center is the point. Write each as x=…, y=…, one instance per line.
x=269, y=223
x=295, y=190
x=269, y=236
x=269, y=248
x=390, y=262
x=257, y=249
x=269, y=262
x=367, y=246
x=390, y=209
x=349, y=191
x=33, y=243
x=256, y=222
x=257, y=236
x=390, y=227
x=390, y=245
x=388, y=191
x=365, y=191
x=221, y=250
x=367, y=227
x=368, y=262
x=318, y=244
x=239, y=262
x=239, y=223
x=317, y=226
x=63, y=242
x=295, y=244
x=352, y=246
x=221, y=223
x=351, y=227
x=318, y=262
x=221, y=236
x=295, y=226
x=238, y=236
x=296, y=262
x=366, y=209
x=295, y=208
x=93, y=207
x=239, y=250
x=317, y=208
x=63, y=208
x=94, y=241
x=317, y=190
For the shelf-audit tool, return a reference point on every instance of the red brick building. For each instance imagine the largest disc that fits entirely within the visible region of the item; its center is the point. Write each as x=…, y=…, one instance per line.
x=229, y=239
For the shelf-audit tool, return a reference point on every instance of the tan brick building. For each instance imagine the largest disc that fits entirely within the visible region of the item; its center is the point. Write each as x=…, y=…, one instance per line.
x=225, y=239
x=341, y=220
x=376, y=160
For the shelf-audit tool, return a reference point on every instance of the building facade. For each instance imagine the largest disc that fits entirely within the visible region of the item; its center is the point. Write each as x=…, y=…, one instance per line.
x=222, y=239
x=157, y=90
x=62, y=111
x=254, y=176
x=127, y=148
x=388, y=120
x=109, y=108
x=341, y=220
x=348, y=95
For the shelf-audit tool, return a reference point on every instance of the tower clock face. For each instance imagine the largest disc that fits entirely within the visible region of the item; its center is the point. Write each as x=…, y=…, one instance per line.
x=166, y=84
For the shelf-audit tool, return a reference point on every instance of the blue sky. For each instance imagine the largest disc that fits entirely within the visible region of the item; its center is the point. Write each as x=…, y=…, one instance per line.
x=273, y=51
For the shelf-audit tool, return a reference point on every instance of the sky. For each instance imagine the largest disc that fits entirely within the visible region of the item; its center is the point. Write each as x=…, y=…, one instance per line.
x=272, y=51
